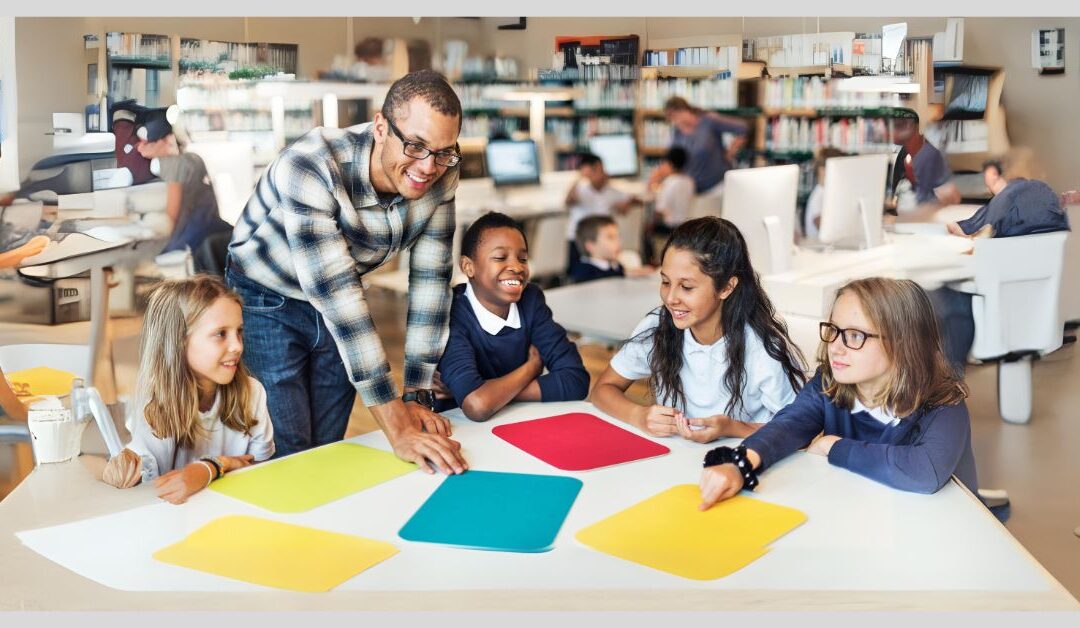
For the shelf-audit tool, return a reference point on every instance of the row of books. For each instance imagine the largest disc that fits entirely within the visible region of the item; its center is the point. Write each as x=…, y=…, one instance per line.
x=656, y=134
x=225, y=56
x=816, y=92
x=801, y=50
x=713, y=56
x=591, y=72
x=852, y=135
x=606, y=96
x=489, y=126
x=959, y=136
x=571, y=133
x=151, y=48
x=707, y=94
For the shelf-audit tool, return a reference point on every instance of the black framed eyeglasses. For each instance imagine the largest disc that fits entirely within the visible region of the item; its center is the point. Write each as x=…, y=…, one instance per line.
x=416, y=150
x=852, y=338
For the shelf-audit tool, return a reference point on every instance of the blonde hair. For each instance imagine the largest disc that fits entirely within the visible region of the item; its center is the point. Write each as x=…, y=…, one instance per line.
x=920, y=376
x=166, y=381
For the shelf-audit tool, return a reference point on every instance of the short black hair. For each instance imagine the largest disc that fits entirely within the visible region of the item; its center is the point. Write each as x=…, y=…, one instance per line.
x=428, y=85
x=490, y=220
x=589, y=229
x=589, y=159
x=995, y=164
x=676, y=156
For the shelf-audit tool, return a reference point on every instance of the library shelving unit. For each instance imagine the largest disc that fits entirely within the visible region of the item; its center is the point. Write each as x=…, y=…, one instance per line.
x=971, y=127
x=139, y=66
x=200, y=57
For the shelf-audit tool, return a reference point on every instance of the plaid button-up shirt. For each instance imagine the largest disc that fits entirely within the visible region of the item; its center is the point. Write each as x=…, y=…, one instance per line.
x=314, y=226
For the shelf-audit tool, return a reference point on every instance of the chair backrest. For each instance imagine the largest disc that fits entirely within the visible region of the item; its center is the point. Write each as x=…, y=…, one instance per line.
x=1070, y=287
x=706, y=205
x=631, y=228
x=1018, y=286
x=547, y=245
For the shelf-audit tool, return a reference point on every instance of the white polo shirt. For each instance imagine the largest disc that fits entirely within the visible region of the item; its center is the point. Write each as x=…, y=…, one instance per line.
x=674, y=198
x=592, y=202
x=765, y=388
x=489, y=321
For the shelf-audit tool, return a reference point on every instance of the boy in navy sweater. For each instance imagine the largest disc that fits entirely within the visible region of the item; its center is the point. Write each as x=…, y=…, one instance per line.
x=597, y=239
x=502, y=335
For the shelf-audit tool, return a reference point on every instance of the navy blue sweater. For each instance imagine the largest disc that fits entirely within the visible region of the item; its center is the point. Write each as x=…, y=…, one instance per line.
x=919, y=454
x=473, y=356
x=583, y=271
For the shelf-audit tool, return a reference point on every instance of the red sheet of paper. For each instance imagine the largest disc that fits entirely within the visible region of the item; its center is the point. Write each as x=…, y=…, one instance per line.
x=578, y=442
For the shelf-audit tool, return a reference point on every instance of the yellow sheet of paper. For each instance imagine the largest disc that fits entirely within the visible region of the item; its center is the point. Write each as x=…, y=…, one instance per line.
x=313, y=478
x=41, y=380
x=275, y=554
x=669, y=533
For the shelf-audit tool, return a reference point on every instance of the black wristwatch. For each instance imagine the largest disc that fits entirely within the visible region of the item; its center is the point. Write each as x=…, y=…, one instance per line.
x=423, y=397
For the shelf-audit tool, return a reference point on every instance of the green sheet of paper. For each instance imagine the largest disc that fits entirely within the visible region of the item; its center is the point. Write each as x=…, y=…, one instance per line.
x=319, y=476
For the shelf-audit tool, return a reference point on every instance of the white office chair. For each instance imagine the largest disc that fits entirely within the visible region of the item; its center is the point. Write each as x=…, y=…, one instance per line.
x=706, y=205
x=547, y=246
x=631, y=228
x=1015, y=306
x=71, y=358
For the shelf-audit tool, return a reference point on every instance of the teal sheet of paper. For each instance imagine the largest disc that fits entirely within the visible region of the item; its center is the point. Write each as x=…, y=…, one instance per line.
x=509, y=512
x=315, y=477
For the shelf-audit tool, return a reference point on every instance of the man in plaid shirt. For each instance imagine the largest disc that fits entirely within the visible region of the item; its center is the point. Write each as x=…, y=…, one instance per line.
x=333, y=206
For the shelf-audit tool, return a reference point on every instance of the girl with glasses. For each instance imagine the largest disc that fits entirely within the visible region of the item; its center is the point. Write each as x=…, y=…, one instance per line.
x=890, y=407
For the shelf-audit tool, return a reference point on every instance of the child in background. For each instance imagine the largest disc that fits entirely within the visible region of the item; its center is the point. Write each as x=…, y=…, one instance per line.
x=890, y=407
x=502, y=335
x=812, y=218
x=674, y=196
x=717, y=357
x=598, y=241
x=592, y=195
x=200, y=414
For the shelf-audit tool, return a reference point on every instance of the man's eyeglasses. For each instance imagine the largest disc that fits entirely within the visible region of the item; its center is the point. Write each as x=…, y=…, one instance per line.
x=852, y=338
x=416, y=150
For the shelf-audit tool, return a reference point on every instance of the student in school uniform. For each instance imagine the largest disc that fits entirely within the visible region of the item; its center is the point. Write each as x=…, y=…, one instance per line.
x=598, y=240
x=592, y=195
x=715, y=353
x=1019, y=207
x=502, y=335
x=884, y=398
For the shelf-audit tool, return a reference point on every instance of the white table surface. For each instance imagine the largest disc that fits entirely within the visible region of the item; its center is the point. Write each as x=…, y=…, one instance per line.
x=606, y=309
x=863, y=546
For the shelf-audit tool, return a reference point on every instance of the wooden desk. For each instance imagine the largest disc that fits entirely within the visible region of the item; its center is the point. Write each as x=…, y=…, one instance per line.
x=864, y=546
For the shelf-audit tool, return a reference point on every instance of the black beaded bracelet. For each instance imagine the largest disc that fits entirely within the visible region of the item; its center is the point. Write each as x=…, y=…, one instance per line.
x=737, y=457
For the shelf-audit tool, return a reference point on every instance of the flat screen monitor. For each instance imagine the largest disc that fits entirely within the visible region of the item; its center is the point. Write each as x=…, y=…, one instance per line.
x=618, y=152
x=512, y=162
x=854, y=200
x=761, y=203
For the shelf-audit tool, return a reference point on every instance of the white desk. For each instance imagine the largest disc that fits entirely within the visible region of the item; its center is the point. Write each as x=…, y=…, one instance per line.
x=864, y=546
x=606, y=309
x=78, y=254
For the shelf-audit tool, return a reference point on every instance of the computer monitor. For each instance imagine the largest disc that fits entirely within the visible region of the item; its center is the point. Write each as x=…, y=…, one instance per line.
x=512, y=162
x=618, y=152
x=854, y=200
x=761, y=203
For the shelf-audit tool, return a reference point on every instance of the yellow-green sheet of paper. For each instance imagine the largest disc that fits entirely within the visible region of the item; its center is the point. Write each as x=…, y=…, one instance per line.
x=41, y=380
x=275, y=554
x=669, y=533
x=315, y=477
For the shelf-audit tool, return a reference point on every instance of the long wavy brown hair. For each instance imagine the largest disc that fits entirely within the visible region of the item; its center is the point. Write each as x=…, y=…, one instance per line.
x=920, y=376
x=166, y=382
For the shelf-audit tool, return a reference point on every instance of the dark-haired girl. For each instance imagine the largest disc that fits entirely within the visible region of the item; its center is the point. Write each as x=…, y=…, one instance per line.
x=718, y=360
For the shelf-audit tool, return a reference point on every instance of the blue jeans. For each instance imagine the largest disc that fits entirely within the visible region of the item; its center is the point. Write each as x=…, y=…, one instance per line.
x=288, y=348
x=953, y=309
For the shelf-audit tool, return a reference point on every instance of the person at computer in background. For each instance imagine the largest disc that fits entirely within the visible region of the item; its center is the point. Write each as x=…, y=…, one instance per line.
x=190, y=201
x=598, y=242
x=816, y=202
x=920, y=170
x=1020, y=205
x=701, y=134
x=592, y=195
